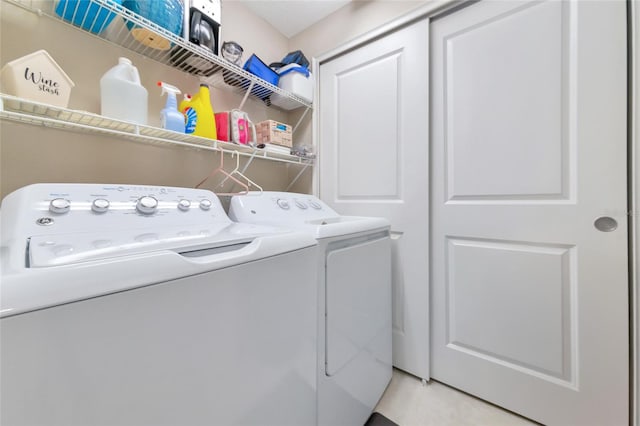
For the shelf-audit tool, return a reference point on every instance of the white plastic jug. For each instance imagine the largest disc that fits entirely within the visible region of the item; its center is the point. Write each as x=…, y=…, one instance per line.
x=121, y=95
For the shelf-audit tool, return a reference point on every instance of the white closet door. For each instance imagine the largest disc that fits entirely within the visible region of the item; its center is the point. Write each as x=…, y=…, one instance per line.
x=530, y=298
x=374, y=159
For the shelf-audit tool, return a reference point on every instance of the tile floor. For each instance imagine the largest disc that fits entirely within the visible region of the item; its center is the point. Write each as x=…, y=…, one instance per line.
x=408, y=403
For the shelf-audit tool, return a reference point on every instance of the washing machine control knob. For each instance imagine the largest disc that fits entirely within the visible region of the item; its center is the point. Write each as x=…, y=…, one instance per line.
x=147, y=205
x=184, y=205
x=301, y=205
x=283, y=204
x=59, y=205
x=205, y=204
x=100, y=205
x=315, y=205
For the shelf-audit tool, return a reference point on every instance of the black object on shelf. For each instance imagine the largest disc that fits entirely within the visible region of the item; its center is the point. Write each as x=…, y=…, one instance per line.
x=295, y=57
x=203, y=31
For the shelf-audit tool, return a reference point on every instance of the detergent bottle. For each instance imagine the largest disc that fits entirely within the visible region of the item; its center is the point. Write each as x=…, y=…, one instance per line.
x=121, y=95
x=170, y=117
x=199, y=115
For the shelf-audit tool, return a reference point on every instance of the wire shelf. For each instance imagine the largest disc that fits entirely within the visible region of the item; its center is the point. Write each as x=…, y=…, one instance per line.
x=24, y=111
x=159, y=45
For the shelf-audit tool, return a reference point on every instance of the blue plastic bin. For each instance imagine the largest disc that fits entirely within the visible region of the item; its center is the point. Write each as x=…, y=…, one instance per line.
x=255, y=66
x=87, y=14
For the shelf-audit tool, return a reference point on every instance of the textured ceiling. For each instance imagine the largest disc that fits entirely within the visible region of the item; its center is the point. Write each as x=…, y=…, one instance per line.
x=291, y=17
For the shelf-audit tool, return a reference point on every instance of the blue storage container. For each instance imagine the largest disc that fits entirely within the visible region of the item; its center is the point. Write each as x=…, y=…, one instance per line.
x=166, y=13
x=255, y=66
x=87, y=14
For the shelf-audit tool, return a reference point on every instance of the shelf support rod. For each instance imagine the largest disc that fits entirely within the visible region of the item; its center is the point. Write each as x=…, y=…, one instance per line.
x=246, y=166
x=300, y=119
x=246, y=95
x=295, y=179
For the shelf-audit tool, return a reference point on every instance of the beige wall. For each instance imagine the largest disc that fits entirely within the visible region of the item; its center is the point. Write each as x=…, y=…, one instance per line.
x=31, y=154
x=349, y=22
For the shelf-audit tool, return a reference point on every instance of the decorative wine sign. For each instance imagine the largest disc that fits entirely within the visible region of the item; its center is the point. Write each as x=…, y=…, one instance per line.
x=37, y=77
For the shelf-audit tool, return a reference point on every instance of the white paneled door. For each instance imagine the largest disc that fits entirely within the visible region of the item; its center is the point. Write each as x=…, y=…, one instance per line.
x=374, y=161
x=528, y=206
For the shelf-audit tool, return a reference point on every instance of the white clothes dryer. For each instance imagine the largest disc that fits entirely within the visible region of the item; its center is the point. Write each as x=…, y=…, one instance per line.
x=354, y=295
x=143, y=305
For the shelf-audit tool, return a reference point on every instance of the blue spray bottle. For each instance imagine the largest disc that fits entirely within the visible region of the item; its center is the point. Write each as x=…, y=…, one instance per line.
x=171, y=118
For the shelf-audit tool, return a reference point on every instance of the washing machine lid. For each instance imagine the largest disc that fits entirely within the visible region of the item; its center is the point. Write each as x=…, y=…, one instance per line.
x=71, y=275
x=64, y=249
x=301, y=212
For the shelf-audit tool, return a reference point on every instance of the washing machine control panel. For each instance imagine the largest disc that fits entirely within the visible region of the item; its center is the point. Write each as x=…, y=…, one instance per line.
x=45, y=209
x=284, y=207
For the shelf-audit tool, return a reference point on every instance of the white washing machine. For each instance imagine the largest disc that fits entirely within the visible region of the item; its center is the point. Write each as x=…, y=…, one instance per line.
x=142, y=305
x=354, y=296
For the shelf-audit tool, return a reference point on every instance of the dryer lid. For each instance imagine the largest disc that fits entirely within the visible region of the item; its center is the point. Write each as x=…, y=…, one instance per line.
x=345, y=225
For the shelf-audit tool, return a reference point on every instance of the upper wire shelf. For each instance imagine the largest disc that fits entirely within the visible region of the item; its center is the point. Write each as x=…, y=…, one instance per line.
x=168, y=48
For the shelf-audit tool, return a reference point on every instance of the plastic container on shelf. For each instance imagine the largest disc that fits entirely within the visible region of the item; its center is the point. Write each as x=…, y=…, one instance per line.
x=166, y=13
x=255, y=66
x=170, y=117
x=88, y=15
x=297, y=80
x=258, y=68
x=232, y=52
x=121, y=95
x=199, y=115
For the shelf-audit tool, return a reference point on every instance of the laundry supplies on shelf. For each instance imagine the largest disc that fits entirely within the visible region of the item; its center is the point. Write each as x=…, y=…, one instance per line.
x=122, y=96
x=170, y=117
x=235, y=126
x=199, y=115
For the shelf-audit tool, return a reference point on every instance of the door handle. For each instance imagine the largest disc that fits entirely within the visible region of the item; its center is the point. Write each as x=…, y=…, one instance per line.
x=605, y=224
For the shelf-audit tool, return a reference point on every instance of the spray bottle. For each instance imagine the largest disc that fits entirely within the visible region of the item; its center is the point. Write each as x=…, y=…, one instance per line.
x=199, y=115
x=170, y=117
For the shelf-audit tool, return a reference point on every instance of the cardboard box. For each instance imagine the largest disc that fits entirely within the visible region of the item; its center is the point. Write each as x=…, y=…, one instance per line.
x=271, y=131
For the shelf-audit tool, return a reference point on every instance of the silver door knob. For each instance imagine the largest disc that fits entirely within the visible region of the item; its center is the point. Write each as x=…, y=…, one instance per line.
x=605, y=224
